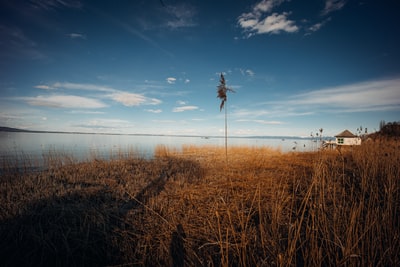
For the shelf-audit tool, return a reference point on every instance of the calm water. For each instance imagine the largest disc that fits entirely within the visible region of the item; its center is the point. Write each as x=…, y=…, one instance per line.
x=89, y=146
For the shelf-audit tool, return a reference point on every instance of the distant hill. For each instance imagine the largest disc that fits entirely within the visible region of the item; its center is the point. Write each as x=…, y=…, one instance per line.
x=9, y=129
x=16, y=130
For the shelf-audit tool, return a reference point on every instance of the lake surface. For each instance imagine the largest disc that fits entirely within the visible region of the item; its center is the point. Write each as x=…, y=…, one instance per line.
x=89, y=146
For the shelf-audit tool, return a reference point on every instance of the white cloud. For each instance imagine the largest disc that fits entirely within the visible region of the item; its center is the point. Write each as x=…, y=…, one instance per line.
x=64, y=101
x=83, y=86
x=154, y=110
x=184, y=108
x=180, y=102
x=187, y=81
x=250, y=73
x=266, y=5
x=257, y=22
x=123, y=97
x=171, y=80
x=376, y=95
x=44, y=87
x=154, y=101
x=77, y=36
x=247, y=72
x=130, y=99
x=315, y=27
x=333, y=5
x=275, y=23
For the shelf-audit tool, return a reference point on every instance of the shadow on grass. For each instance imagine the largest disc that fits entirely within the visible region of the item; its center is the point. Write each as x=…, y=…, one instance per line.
x=82, y=227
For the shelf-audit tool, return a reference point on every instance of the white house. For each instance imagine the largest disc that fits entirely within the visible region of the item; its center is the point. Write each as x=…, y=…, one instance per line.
x=347, y=138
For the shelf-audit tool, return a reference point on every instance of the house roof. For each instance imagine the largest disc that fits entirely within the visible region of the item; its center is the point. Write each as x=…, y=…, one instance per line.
x=346, y=133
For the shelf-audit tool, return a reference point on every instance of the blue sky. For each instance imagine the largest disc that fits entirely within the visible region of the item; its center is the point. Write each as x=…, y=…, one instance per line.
x=153, y=66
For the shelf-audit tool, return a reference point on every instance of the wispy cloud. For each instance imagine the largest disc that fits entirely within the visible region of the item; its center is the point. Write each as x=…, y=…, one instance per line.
x=84, y=112
x=260, y=21
x=130, y=29
x=156, y=111
x=56, y=4
x=181, y=102
x=250, y=73
x=11, y=116
x=181, y=16
x=82, y=86
x=275, y=23
x=130, y=99
x=171, y=80
x=184, y=108
x=174, y=80
x=247, y=72
x=316, y=26
x=125, y=98
x=266, y=5
x=77, y=36
x=64, y=101
x=43, y=87
x=133, y=31
x=16, y=43
x=379, y=95
x=369, y=96
x=332, y=5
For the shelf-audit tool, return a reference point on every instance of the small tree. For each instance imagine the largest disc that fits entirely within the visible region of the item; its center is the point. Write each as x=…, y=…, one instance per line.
x=222, y=90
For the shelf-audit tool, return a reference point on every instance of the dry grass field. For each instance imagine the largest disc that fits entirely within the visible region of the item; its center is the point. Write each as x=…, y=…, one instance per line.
x=191, y=207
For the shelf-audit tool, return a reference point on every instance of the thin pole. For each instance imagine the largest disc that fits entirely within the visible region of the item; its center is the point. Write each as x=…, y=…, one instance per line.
x=226, y=133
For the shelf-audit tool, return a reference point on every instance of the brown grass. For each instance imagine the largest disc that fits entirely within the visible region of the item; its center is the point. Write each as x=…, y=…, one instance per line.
x=189, y=207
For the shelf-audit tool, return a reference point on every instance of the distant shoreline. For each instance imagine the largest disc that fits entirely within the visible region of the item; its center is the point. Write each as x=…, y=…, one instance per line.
x=16, y=130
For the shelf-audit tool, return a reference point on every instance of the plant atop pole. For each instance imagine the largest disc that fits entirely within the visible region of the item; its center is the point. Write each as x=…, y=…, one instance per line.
x=222, y=90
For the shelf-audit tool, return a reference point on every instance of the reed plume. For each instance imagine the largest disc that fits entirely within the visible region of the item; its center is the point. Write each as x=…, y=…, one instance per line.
x=222, y=90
